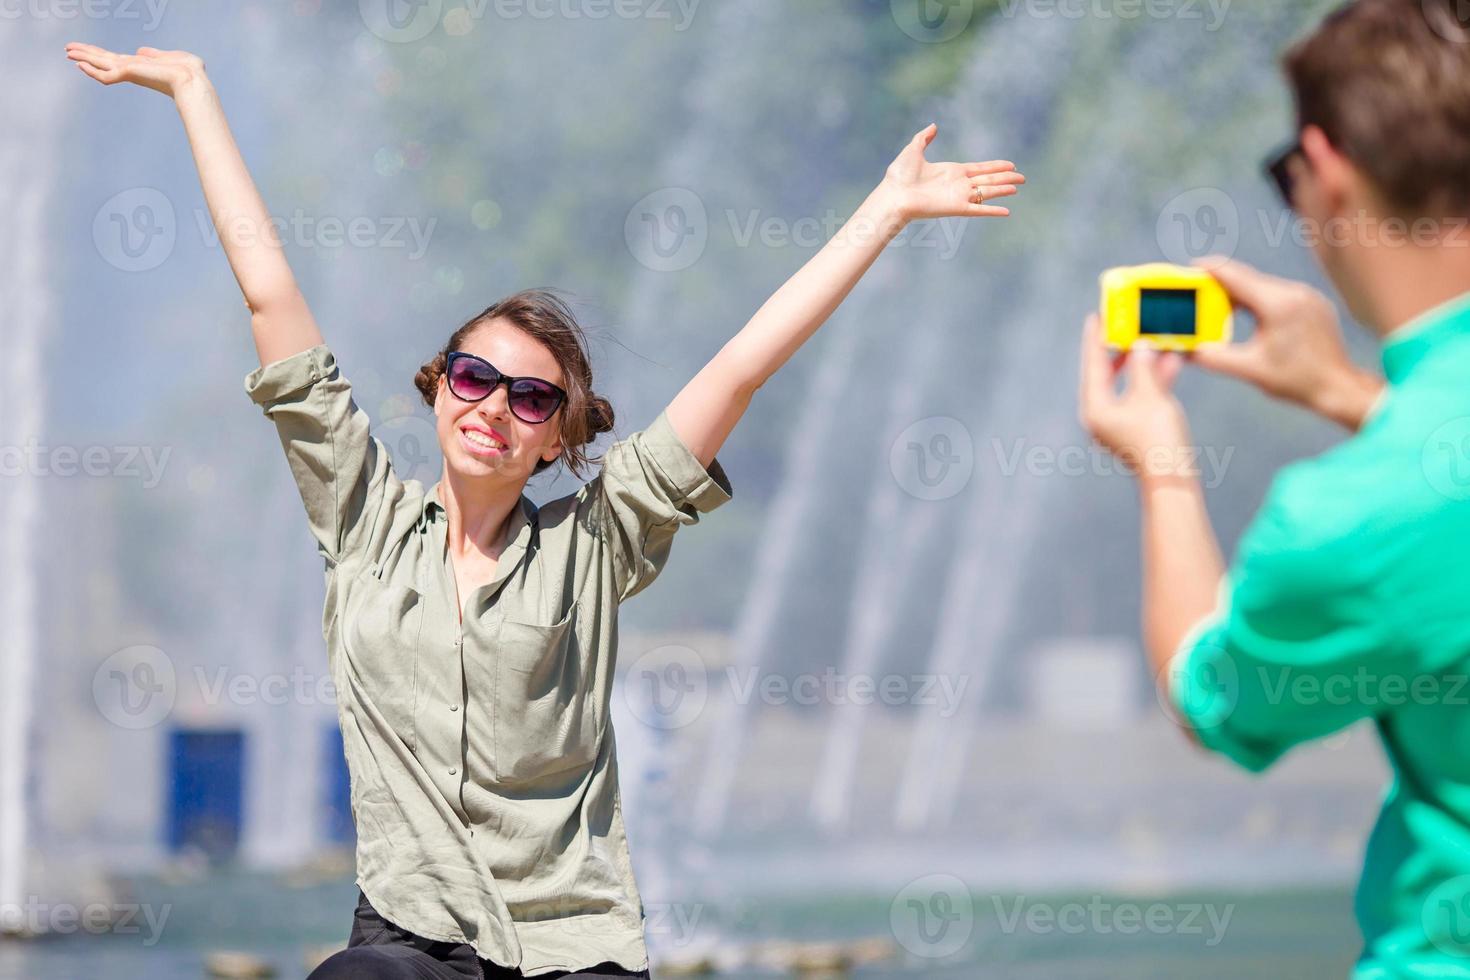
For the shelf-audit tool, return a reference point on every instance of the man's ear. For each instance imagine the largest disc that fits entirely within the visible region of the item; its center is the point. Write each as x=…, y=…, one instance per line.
x=1334, y=180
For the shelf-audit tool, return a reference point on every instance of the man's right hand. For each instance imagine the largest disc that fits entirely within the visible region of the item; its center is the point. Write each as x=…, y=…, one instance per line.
x=1296, y=353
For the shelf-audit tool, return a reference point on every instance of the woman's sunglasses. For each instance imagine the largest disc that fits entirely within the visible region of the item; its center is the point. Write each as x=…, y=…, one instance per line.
x=472, y=378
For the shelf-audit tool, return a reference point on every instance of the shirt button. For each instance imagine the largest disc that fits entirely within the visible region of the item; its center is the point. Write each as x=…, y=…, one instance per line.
x=454, y=707
x=453, y=771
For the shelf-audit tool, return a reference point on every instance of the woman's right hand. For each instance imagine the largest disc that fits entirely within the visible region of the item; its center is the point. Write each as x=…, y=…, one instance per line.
x=279, y=317
x=163, y=71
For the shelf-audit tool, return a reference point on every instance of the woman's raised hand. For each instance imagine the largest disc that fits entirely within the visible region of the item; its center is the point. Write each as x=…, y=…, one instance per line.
x=279, y=317
x=939, y=190
x=162, y=71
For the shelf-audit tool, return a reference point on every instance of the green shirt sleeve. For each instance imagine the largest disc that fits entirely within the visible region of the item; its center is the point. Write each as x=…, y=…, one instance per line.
x=341, y=470
x=651, y=484
x=1302, y=643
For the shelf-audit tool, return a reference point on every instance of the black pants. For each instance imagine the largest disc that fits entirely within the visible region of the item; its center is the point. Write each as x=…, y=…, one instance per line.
x=379, y=950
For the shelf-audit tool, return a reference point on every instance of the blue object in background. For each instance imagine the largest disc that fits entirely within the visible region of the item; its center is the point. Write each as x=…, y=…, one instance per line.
x=337, y=788
x=206, y=784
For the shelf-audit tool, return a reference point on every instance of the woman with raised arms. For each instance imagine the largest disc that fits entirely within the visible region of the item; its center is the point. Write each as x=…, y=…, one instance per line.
x=471, y=636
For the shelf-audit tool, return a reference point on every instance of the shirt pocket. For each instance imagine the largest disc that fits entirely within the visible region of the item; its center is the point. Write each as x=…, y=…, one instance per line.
x=384, y=619
x=545, y=712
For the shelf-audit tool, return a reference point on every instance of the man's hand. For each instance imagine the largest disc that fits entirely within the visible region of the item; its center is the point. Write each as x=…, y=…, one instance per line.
x=1296, y=353
x=1145, y=426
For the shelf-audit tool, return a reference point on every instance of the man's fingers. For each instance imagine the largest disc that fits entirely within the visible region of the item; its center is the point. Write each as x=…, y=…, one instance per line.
x=1235, y=360
x=1248, y=287
x=1096, y=379
x=1143, y=370
x=1167, y=369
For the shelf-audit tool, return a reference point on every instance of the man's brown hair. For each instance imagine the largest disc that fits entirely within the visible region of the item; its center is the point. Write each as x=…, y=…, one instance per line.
x=1388, y=81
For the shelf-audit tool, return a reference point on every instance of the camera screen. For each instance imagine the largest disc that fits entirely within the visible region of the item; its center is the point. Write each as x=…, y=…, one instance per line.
x=1167, y=311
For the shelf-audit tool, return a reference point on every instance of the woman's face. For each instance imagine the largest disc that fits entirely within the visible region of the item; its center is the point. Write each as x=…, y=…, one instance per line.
x=465, y=427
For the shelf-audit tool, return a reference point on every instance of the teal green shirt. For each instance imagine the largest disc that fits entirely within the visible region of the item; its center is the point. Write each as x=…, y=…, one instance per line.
x=1349, y=598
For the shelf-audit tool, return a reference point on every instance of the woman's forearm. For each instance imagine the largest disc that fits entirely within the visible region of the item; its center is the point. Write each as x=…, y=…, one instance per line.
x=806, y=300
x=280, y=319
x=705, y=412
x=709, y=406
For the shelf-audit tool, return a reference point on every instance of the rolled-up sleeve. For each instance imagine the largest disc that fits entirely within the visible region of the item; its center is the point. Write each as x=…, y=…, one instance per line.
x=651, y=484
x=1301, y=643
x=340, y=470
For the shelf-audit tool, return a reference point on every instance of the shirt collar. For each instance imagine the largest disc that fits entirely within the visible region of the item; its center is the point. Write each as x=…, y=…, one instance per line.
x=517, y=541
x=432, y=501
x=1414, y=341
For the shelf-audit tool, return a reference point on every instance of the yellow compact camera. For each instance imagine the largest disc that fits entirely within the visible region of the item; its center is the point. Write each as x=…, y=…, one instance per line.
x=1167, y=307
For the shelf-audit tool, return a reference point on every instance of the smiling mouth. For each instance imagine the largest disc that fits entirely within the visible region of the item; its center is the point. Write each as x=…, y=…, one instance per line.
x=481, y=444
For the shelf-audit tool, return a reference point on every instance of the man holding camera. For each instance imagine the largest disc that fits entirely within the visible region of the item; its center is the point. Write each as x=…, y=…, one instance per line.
x=1349, y=597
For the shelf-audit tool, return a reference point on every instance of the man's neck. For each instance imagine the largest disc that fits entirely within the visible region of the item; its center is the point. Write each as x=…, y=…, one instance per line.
x=1407, y=282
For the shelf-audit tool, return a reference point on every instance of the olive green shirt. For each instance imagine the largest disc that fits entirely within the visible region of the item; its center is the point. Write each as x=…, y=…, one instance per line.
x=1349, y=598
x=483, y=768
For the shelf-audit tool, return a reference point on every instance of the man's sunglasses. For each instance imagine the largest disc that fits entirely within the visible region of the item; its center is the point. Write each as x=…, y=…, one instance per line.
x=1278, y=168
x=472, y=378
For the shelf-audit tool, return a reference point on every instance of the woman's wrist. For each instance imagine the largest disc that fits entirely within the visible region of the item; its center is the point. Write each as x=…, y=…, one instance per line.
x=885, y=206
x=875, y=223
x=194, y=86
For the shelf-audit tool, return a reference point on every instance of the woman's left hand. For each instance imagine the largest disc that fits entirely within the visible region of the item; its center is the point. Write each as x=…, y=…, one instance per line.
x=922, y=189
